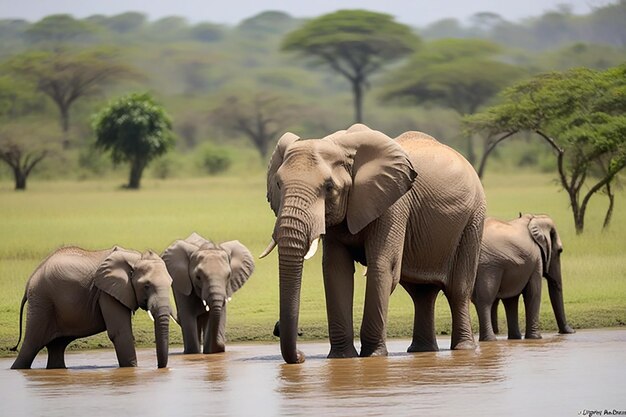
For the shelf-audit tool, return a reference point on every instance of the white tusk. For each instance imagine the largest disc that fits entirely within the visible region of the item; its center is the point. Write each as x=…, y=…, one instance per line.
x=150, y=315
x=204, y=302
x=312, y=249
x=228, y=299
x=207, y=308
x=269, y=248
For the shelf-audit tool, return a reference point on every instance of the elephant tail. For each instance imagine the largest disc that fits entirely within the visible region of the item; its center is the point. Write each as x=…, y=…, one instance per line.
x=14, y=348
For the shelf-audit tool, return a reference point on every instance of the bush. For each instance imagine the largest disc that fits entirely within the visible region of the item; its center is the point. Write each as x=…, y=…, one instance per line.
x=214, y=160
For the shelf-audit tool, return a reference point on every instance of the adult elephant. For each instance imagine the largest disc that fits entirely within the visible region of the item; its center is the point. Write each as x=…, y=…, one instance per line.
x=77, y=293
x=514, y=256
x=411, y=209
x=206, y=275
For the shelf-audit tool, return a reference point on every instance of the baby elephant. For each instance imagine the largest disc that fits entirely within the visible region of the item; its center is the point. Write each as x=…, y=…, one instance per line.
x=514, y=256
x=205, y=277
x=77, y=293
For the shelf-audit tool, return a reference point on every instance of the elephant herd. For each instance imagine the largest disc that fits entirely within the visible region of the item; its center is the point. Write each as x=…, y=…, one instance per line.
x=411, y=209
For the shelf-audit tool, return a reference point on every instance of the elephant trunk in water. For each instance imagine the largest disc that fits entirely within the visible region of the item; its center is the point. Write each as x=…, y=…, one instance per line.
x=213, y=341
x=161, y=312
x=555, y=289
x=293, y=238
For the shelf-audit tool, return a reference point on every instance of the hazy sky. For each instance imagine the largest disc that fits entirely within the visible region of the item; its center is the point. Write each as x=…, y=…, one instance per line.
x=415, y=12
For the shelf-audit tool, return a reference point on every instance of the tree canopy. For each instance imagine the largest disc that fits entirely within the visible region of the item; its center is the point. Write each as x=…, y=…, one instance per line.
x=355, y=44
x=461, y=74
x=136, y=130
x=581, y=114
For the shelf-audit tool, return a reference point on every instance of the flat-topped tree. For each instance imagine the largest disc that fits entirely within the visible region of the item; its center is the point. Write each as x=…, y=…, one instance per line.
x=353, y=43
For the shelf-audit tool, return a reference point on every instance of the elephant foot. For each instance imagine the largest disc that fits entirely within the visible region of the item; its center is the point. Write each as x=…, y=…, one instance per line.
x=342, y=353
x=567, y=330
x=422, y=347
x=465, y=345
x=534, y=336
x=515, y=336
x=377, y=351
x=219, y=348
x=488, y=338
x=191, y=351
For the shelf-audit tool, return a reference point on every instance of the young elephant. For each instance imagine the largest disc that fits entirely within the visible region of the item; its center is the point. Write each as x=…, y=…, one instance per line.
x=77, y=293
x=205, y=277
x=514, y=256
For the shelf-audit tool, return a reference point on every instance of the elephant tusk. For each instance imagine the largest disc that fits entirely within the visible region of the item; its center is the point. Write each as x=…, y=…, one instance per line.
x=228, y=299
x=150, y=315
x=204, y=302
x=269, y=248
x=312, y=249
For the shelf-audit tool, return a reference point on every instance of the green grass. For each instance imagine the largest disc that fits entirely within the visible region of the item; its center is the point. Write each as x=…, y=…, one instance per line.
x=97, y=215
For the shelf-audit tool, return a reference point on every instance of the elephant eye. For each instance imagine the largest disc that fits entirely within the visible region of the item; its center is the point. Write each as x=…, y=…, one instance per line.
x=329, y=186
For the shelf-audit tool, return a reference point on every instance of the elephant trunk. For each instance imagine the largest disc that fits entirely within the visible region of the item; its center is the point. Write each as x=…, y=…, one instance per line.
x=214, y=339
x=293, y=237
x=161, y=334
x=555, y=289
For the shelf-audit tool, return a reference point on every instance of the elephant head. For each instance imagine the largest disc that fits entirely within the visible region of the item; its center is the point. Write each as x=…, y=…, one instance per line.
x=543, y=232
x=351, y=177
x=212, y=272
x=140, y=281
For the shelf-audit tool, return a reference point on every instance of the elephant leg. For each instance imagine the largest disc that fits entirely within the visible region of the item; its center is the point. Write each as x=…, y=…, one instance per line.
x=117, y=319
x=37, y=335
x=494, y=316
x=484, y=297
x=374, y=325
x=338, y=268
x=56, y=352
x=532, y=303
x=461, y=284
x=512, y=320
x=424, y=297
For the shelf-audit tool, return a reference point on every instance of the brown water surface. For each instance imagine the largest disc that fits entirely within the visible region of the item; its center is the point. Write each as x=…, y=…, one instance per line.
x=557, y=376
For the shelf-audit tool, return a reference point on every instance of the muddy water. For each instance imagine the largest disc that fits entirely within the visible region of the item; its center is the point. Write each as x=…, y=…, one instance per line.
x=557, y=376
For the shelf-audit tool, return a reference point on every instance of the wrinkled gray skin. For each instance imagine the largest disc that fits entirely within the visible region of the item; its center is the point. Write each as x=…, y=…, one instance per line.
x=411, y=209
x=514, y=256
x=77, y=293
x=205, y=276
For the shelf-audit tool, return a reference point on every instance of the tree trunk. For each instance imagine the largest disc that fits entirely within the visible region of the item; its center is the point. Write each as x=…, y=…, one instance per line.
x=357, y=90
x=490, y=146
x=471, y=155
x=65, y=126
x=20, y=179
x=136, y=170
x=609, y=211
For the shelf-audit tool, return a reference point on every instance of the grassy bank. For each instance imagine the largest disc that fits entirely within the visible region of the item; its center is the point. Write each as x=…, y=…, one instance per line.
x=96, y=215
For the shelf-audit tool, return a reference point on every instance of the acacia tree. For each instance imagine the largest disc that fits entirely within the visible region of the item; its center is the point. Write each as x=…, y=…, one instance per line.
x=136, y=130
x=260, y=118
x=353, y=43
x=581, y=114
x=461, y=74
x=66, y=77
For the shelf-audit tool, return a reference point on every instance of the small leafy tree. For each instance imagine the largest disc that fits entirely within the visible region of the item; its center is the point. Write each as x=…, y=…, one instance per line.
x=136, y=130
x=581, y=114
x=355, y=44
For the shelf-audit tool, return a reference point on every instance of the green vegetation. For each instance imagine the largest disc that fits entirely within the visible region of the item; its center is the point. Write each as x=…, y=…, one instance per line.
x=136, y=130
x=95, y=215
x=581, y=114
x=355, y=44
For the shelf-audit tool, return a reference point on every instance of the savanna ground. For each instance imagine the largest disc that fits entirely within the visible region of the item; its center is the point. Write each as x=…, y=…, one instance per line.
x=98, y=214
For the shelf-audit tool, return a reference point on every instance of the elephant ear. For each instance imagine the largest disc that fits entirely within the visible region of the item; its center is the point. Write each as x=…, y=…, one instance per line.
x=113, y=276
x=381, y=174
x=273, y=193
x=540, y=233
x=176, y=258
x=241, y=265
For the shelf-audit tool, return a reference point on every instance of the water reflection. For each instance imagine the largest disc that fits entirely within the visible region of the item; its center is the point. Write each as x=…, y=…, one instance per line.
x=554, y=376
